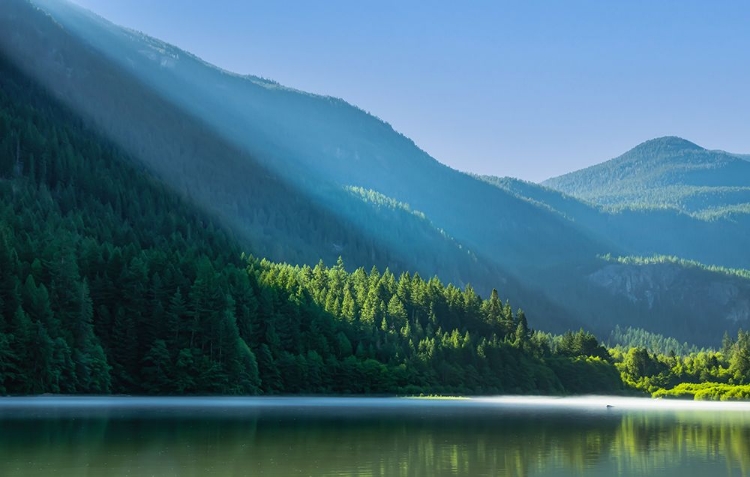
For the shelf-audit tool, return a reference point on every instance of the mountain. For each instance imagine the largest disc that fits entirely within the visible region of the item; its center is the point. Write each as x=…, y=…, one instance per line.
x=665, y=284
x=660, y=294
x=110, y=282
x=275, y=217
x=278, y=165
x=669, y=196
x=718, y=238
x=316, y=141
x=664, y=172
x=566, y=205
x=300, y=178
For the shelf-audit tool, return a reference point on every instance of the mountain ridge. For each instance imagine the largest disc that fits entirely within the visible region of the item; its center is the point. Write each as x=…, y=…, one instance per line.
x=340, y=149
x=641, y=175
x=279, y=166
x=278, y=216
x=112, y=283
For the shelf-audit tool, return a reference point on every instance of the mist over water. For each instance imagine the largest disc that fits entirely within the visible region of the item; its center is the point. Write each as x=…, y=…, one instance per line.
x=447, y=407
x=513, y=436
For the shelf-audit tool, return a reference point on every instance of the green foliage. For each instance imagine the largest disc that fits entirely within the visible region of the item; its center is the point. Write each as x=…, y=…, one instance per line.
x=706, y=392
x=687, y=264
x=682, y=306
x=109, y=282
x=626, y=338
x=93, y=257
x=705, y=374
x=667, y=172
x=269, y=162
x=739, y=358
x=381, y=200
x=587, y=375
x=272, y=163
x=581, y=343
x=421, y=335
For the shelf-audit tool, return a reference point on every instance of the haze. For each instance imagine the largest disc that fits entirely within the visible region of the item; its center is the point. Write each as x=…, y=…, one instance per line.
x=523, y=89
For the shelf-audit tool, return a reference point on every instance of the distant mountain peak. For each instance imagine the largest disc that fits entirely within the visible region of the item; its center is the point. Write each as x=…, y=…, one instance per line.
x=666, y=144
x=664, y=172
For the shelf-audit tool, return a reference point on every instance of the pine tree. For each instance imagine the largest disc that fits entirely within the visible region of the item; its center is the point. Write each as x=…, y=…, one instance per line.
x=157, y=369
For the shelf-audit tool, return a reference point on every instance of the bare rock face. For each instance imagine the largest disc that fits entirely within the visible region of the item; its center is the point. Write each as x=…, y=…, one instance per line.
x=718, y=295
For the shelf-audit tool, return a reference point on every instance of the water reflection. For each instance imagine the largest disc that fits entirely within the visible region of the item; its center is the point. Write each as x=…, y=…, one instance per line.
x=437, y=439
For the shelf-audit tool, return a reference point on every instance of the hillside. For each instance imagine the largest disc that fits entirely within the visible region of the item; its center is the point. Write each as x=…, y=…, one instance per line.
x=300, y=178
x=660, y=284
x=717, y=238
x=112, y=283
x=570, y=207
x=269, y=211
x=257, y=182
x=320, y=143
x=663, y=296
x=664, y=172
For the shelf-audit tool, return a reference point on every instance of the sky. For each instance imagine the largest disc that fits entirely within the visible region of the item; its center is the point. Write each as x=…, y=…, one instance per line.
x=528, y=89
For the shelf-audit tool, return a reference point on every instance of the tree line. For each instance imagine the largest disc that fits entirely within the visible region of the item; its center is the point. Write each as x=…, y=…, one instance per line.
x=109, y=282
x=112, y=283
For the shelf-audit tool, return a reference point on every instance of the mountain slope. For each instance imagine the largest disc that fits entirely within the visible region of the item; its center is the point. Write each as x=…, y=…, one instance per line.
x=255, y=201
x=283, y=213
x=717, y=238
x=663, y=284
x=568, y=206
x=299, y=177
x=674, y=297
x=663, y=172
x=669, y=196
x=112, y=283
x=313, y=140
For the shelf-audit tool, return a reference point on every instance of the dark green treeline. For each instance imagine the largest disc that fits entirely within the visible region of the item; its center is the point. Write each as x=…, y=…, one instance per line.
x=109, y=283
x=386, y=334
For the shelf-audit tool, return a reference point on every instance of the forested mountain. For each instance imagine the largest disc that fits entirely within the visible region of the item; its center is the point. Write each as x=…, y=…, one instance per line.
x=717, y=238
x=318, y=144
x=567, y=205
x=315, y=141
x=661, y=293
x=111, y=282
x=628, y=338
x=664, y=172
x=278, y=207
x=300, y=178
x=668, y=196
x=671, y=289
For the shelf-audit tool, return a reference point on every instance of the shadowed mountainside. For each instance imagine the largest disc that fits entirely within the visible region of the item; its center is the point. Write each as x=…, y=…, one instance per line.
x=300, y=177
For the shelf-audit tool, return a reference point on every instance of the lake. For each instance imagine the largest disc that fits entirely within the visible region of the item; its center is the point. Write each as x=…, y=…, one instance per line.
x=376, y=437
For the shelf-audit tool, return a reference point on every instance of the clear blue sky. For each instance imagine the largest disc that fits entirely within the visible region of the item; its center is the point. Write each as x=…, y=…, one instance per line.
x=529, y=89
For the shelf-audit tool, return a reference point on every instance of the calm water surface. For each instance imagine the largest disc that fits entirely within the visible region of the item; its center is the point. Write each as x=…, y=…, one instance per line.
x=371, y=437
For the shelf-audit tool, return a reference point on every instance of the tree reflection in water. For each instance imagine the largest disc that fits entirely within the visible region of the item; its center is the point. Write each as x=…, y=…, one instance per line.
x=293, y=443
